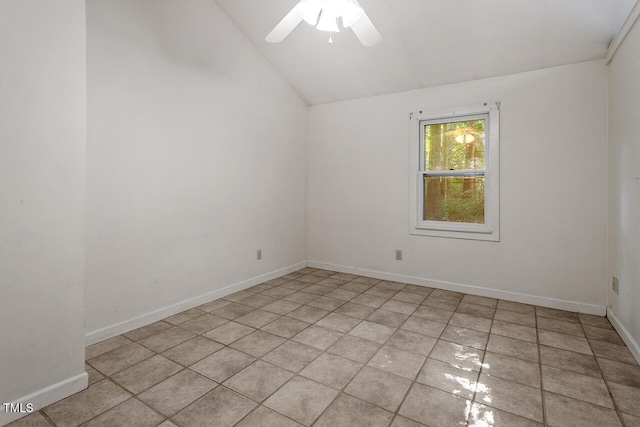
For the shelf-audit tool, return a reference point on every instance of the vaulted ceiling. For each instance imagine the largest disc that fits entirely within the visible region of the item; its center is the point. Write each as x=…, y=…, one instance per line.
x=430, y=42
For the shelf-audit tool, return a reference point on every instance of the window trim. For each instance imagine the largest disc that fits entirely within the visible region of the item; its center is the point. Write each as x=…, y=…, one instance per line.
x=490, y=230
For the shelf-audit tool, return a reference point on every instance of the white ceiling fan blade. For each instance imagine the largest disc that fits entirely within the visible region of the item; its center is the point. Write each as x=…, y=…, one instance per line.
x=366, y=31
x=288, y=23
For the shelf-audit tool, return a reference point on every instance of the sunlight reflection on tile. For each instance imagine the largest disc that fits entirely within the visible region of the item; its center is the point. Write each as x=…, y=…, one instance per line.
x=479, y=418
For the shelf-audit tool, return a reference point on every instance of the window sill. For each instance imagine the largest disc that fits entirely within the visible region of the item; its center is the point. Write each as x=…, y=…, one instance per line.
x=460, y=232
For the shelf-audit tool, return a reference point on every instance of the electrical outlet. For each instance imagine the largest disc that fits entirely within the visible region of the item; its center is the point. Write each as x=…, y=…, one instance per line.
x=399, y=254
x=615, y=285
x=259, y=254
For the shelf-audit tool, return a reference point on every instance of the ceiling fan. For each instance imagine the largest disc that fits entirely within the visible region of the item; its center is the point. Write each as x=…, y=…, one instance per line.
x=325, y=16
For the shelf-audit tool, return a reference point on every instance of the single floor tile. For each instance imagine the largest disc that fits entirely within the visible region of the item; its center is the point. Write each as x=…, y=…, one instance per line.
x=281, y=307
x=409, y=297
x=514, y=317
x=568, y=328
x=308, y=314
x=258, y=380
x=35, y=419
x=464, y=336
x=576, y=386
x=476, y=310
x=338, y=322
x=257, y=318
x=82, y=406
x=369, y=300
x=619, y=353
x=512, y=330
x=379, y=387
x=627, y=398
x=358, y=311
x=603, y=334
x=516, y=307
x=513, y=348
x=398, y=362
x=434, y=407
x=223, y=364
x=146, y=374
x=471, y=322
x=387, y=318
x=131, y=413
x=233, y=311
x=446, y=377
x=182, y=317
x=591, y=320
x=213, y=305
x=331, y=370
x=410, y=341
x=511, y=397
x=620, y=373
x=326, y=303
x=229, y=332
x=373, y=332
x=203, y=323
x=257, y=300
x=317, y=337
x=258, y=343
x=265, y=417
x=285, y=327
x=399, y=307
x=302, y=400
x=566, y=316
x=424, y=326
x=570, y=361
x=218, y=408
x=120, y=358
x=177, y=392
x=292, y=356
x=433, y=314
x=474, y=299
x=468, y=358
x=354, y=348
x=563, y=411
x=166, y=339
x=347, y=411
x=145, y=331
x=191, y=351
x=512, y=369
x=486, y=416
x=106, y=346
x=452, y=295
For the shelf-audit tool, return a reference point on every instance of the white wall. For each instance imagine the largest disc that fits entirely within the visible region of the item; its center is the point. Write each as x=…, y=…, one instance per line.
x=196, y=158
x=42, y=193
x=624, y=179
x=553, y=189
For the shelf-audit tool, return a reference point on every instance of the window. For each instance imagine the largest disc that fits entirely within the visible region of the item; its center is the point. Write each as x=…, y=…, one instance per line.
x=455, y=173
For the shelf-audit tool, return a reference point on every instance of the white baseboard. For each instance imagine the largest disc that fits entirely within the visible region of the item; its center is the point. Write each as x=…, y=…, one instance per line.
x=468, y=289
x=624, y=333
x=46, y=396
x=148, y=318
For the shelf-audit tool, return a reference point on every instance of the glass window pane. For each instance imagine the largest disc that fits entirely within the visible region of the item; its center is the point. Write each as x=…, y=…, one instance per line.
x=455, y=146
x=454, y=199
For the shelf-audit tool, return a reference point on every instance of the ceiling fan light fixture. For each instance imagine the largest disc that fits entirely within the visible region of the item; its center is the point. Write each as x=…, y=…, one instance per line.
x=325, y=16
x=351, y=13
x=328, y=21
x=310, y=11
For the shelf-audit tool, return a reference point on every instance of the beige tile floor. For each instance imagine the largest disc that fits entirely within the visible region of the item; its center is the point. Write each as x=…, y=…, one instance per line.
x=321, y=348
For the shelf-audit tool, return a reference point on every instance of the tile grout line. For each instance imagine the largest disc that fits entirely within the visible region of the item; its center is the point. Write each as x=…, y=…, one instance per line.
x=606, y=382
x=545, y=421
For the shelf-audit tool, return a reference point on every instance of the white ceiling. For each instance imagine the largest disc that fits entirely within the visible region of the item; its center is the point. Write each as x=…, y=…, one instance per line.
x=430, y=42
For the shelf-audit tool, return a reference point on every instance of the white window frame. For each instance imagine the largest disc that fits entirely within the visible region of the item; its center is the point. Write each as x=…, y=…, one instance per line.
x=490, y=230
